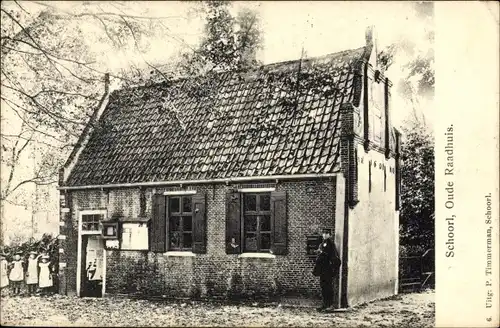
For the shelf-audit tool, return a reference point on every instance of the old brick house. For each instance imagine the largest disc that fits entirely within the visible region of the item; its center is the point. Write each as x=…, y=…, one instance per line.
x=172, y=192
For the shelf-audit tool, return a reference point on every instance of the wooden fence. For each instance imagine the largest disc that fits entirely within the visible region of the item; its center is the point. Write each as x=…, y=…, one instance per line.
x=416, y=272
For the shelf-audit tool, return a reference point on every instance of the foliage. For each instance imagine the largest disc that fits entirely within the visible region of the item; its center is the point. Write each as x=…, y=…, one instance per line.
x=46, y=245
x=52, y=72
x=417, y=188
x=418, y=72
x=416, y=61
x=51, y=76
x=228, y=42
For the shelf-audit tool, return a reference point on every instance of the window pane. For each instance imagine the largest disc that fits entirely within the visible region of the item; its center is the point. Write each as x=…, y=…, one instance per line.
x=175, y=224
x=186, y=204
x=265, y=241
x=265, y=223
x=265, y=202
x=250, y=242
x=90, y=222
x=250, y=223
x=188, y=240
x=173, y=205
x=250, y=202
x=187, y=223
x=175, y=239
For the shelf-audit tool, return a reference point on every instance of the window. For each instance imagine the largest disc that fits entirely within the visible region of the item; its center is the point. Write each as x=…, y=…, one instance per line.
x=257, y=222
x=90, y=222
x=180, y=223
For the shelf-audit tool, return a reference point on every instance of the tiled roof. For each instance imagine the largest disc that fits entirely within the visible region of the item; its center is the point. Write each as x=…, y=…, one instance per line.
x=246, y=126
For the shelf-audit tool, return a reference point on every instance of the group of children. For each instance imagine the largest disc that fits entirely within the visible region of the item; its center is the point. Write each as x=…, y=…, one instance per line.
x=32, y=271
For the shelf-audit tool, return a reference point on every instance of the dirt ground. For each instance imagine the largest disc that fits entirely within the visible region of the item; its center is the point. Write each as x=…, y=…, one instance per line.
x=407, y=310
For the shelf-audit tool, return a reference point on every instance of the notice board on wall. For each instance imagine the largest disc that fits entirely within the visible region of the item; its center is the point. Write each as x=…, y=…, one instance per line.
x=134, y=236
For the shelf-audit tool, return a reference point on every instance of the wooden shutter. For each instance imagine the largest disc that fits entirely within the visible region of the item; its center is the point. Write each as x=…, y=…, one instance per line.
x=279, y=220
x=158, y=226
x=233, y=222
x=199, y=224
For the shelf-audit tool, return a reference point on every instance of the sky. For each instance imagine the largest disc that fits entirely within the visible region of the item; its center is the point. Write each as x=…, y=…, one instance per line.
x=289, y=26
x=319, y=27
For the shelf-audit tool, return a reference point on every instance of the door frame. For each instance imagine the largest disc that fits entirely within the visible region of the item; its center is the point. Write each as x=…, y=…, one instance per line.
x=79, y=250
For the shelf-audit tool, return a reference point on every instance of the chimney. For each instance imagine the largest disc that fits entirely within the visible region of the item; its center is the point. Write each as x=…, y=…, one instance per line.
x=106, y=83
x=371, y=41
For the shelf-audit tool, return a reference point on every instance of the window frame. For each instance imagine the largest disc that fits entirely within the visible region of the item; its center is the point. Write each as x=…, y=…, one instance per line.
x=180, y=214
x=101, y=213
x=258, y=213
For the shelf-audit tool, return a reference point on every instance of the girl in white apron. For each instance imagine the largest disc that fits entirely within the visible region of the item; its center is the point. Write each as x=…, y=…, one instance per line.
x=45, y=280
x=16, y=275
x=32, y=272
x=4, y=277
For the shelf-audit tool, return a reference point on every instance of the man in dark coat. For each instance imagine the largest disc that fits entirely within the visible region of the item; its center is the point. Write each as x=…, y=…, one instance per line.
x=326, y=267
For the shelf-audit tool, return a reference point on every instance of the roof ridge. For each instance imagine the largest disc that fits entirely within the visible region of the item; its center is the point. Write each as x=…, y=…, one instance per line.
x=315, y=57
x=253, y=69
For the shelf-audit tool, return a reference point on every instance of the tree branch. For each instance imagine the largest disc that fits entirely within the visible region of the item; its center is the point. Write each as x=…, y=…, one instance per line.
x=29, y=36
x=139, y=50
x=11, y=136
x=11, y=105
x=22, y=8
x=36, y=180
x=55, y=116
x=46, y=4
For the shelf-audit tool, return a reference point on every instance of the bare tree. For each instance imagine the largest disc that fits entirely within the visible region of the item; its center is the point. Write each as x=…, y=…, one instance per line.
x=51, y=80
x=51, y=77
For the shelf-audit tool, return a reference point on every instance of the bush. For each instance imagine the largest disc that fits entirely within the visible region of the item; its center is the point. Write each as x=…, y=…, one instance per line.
x=417, y=190
x=46, y=245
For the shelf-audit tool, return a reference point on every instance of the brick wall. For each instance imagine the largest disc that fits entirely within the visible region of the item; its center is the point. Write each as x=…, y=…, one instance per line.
x=311, y=206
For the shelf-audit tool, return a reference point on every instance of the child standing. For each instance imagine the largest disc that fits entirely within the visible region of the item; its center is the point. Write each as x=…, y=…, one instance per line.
x=32, y=272
x=16, y=273
x=4, y=277
x=45, y=280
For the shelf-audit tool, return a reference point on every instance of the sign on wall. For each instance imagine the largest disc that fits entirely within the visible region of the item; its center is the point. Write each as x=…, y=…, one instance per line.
x=112, y=244
x=134, y=236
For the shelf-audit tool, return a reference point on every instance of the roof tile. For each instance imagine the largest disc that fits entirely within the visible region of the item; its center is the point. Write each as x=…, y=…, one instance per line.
x=245, y=129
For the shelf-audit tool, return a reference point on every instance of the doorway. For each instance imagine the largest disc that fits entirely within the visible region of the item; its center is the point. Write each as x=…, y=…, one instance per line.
x=92, y=266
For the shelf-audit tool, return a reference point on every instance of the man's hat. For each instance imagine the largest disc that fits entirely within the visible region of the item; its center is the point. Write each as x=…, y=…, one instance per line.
x=18, y=253
x=45, y=256
x=33, y=252
x=326, y=230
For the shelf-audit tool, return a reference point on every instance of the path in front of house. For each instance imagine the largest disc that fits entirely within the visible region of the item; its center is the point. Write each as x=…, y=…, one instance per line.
x=407, y=310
